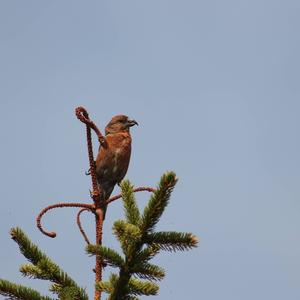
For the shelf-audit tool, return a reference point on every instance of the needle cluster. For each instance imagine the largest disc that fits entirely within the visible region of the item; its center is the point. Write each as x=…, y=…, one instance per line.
x=140, y=244
x=40, y=266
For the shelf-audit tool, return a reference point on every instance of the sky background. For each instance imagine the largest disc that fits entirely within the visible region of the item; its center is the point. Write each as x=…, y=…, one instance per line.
x=214, y=86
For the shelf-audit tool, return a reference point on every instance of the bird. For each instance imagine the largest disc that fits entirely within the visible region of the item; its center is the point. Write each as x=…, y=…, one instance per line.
x=113, y=159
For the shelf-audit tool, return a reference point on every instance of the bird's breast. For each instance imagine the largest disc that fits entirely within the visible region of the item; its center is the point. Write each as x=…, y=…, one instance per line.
x=112, y=161
x=121, y=157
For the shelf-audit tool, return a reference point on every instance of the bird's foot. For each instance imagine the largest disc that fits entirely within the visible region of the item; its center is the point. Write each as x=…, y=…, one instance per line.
x=88, y=172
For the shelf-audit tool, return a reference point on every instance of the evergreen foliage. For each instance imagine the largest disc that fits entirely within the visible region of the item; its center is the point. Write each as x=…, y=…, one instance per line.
x=18, y=292
x=41, y=267
x=139, y=242
x=110, y=256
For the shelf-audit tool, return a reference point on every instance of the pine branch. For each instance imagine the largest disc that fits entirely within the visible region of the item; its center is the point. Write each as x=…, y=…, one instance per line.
x=147, y=253
x=29, y=250
x=32, y=271
x=55, y=288
x=110, y=256
x=148, y=271
x=124, y=230
x=172, y=241
x=119, y=284
x=124, y=287
x=138, y=287
x=108, y=286
x=45, y=267
x=132, y=212
x=133, y=237
x=105, y=286
x=158, y=202
x=128, y=235
x=68, y=293
x=18, y=292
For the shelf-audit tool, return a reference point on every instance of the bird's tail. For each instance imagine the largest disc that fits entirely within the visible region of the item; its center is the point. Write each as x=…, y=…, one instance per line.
x=106, y=190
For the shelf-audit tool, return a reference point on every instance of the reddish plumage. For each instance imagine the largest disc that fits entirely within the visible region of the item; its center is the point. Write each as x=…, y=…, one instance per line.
x=113, y=160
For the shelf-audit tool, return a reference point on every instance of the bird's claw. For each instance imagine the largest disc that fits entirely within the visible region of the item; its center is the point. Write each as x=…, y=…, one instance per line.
x=88, y=172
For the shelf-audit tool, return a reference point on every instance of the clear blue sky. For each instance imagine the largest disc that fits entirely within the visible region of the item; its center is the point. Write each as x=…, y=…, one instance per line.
x=215, y=88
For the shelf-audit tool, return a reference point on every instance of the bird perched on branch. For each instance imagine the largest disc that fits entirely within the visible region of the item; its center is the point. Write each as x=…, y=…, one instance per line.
x=113, y=159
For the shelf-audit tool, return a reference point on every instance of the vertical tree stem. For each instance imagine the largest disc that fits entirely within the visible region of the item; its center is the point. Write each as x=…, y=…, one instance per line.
x=98, y=267
x=83, y=116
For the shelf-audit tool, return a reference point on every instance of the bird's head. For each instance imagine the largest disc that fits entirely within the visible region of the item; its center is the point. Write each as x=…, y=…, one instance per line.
x=119, y=123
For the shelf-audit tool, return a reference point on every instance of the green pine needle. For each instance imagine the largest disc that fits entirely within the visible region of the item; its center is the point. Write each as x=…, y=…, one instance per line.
x=147, y=253
x=120, y=289
x=45, y=267
x=124, y=230
x=69, y=293
x=132, y=212
x=129, y=236
x=104, y=286
x=110, y=256
x=148, y=271
x=14, y=291
x=138, y=287
x=172, y=241
x=28, y=249
x=55, y=288
x=108, y=286
x=32, y=271
x=158, y=202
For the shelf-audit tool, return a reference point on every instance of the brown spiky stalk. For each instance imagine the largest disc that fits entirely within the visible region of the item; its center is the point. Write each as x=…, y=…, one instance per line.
x=139, y=189
x=80, y=226
x=83, y=116
x=58, y=205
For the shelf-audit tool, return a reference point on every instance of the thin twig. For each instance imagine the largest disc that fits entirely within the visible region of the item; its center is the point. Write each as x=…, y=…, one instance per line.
x=139, y=189
x=80, y=226
x=83, y=116
x=58, y=205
